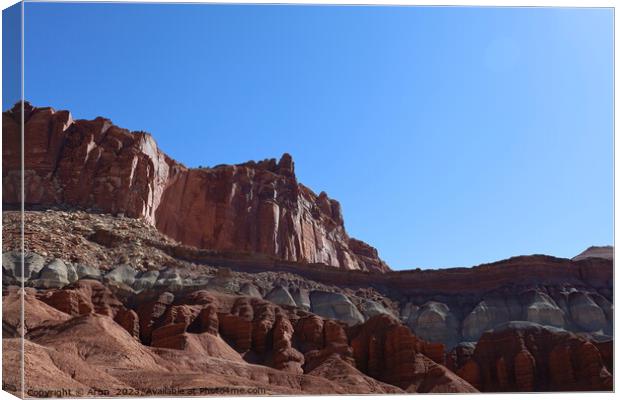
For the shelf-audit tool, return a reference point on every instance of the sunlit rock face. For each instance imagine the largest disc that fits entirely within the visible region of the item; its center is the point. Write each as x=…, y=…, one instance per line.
x=604, y=252
x=255, y=207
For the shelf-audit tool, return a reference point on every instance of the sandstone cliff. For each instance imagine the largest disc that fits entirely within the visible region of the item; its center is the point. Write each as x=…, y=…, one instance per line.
x=255, y=207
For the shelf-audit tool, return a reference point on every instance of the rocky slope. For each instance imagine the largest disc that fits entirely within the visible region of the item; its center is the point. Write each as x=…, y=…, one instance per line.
x=275, y=332
x=255, y=207
x=83, y=338
x=447, y=306
x=167, y=296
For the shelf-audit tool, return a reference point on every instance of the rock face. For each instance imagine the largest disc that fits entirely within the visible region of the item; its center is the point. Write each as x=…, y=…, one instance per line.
x=340, y=328
x=280, y=295
x=586, y=313
x=606, y=252
x=434, y=321
x=244, y=299
x=336, y=306
x=255, y=207
x=447, y=305
x=489, y=313
x=386, y=350
x=174, y=333
x=88, y=296
x=526, y=357
x=12, y=268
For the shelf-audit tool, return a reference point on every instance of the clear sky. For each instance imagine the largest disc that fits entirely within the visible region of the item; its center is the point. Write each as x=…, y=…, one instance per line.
x=451, y=136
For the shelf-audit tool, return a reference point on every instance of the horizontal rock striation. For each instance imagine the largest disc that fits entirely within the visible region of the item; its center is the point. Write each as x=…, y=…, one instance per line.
x=447, y=306
x=255, y=207
x=95, y=272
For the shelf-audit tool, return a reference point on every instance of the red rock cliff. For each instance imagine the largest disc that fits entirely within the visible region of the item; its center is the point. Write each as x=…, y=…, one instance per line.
x=256, y=207
x=524, y=357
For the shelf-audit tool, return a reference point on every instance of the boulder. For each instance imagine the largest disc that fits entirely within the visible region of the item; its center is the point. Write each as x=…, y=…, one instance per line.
x=88, y=272
x=250, y=289
x=281, y=296
x=335, y=306
x=11, y=265
x=125, y=274
x=169, y=279
x=370, y=308
x=56, y=274
x=145, y=280
x=301, y=298
x=224, y=281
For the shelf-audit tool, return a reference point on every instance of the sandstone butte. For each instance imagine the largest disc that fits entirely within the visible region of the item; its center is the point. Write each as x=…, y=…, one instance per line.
x=254, y=207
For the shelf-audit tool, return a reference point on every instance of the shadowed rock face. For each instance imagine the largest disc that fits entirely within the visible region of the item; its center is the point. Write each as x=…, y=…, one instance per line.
x=255, y=207
x=527, y=357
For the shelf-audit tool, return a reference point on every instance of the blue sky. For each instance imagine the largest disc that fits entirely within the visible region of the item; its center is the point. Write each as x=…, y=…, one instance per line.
x=451, y=136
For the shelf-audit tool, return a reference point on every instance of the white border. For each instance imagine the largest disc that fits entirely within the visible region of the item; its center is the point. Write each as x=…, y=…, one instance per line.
x=481, y=3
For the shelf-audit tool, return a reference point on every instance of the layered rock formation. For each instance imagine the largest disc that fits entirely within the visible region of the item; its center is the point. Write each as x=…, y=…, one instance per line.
x=447, y=306
x=606, y=252
x=140, y=285
x=385, y=349
x=74, y=334
x=251, y=207
x=266, y=290
x=527, y=357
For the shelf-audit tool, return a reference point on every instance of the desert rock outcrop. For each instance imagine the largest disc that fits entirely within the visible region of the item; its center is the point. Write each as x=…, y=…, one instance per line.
x=255, y=207
x=524, y=356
